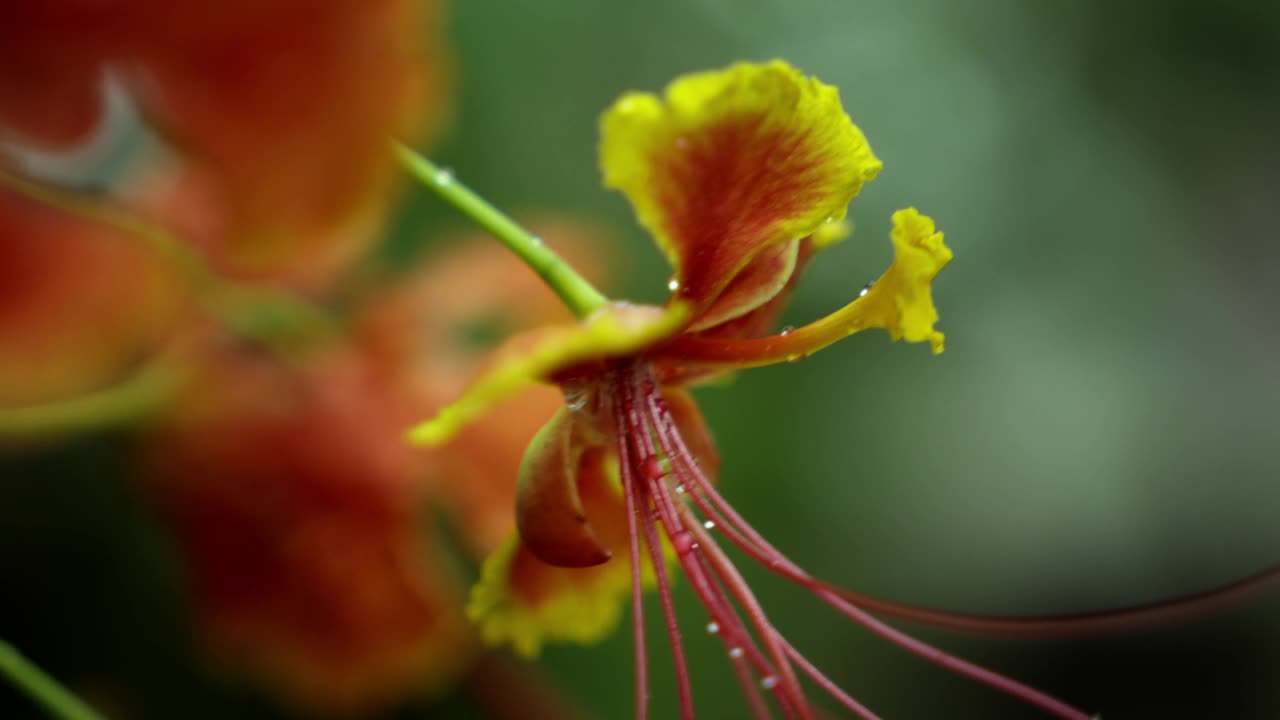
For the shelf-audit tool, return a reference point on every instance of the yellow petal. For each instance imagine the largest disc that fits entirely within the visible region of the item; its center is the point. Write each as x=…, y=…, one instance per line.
x=615, y=330
x=729, y=163
x=525, y=602
x=901, y=302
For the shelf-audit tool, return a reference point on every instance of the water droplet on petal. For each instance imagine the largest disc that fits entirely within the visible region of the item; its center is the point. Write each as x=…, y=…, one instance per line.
x=768, y=682
x=786, y=330
x=709, y=524
x=444, y=176
x=680, y=489
x=576, y=399
x=866, y=289
x=673, y=284
x=713, y=627
x=736, y=652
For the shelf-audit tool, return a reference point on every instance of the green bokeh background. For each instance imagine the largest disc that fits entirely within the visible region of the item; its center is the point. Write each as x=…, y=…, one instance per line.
x=1100, y=431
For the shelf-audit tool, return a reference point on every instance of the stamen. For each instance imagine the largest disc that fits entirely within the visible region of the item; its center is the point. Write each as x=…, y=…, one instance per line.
x=789, y=694
x=758, y=548
x=683, y=685
x=730, y=627
x=637, y=589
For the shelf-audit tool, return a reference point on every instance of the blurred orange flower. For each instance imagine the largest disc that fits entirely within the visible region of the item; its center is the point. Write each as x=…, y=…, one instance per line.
x=297, y=511
x=80, y=303
x=302, y=516
x=283, y=109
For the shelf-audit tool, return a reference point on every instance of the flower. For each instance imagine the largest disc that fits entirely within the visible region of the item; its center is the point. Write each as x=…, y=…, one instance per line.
x=280, y=110
x=741, y=176
x=81, y=304
x=301, y=529
x=305, y=524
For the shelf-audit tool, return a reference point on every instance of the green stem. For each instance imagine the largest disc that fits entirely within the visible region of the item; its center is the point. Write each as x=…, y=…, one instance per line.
x=114, y=405
x=58, y=701
x=581, y=297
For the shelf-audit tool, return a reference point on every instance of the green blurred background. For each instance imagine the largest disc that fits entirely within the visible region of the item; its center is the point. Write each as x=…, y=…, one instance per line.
x=1100, y=431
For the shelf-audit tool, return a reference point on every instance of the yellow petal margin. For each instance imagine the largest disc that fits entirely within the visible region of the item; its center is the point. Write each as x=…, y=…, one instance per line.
x=901, y=301
x=525, y=602
x=730, y=162
x=615, y=330
x=584, y=607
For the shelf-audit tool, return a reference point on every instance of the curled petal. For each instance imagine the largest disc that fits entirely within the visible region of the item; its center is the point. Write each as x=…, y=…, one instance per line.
x=615, y=330
x=901, y=302
x=764, y=276
x=523, y=601
x=549, y=513
x=729, y=163
x=772, y=273
x=763, y=319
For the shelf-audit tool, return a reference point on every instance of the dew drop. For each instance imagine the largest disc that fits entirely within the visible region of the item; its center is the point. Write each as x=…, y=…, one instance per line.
x=444, y=176
x=683, y=543
x=796, y=358
x=768, y=682
x=673, y=284
x=709, y=524
x=713, y=627
x=786, y=330
x=576, y=400
x=736, y=652
x=680, y=489
x=536, y=241
x=866, y=289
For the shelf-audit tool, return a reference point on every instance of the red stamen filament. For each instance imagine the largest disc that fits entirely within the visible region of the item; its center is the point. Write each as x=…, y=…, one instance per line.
x=637, y=589
x=701, y=567
x=646, y=431
x=751, y=542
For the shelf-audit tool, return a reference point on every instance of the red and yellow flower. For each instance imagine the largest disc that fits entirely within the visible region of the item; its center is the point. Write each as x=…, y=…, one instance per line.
x=281, y=109
x=82, y=305
x=303, y=519
x=741, y=176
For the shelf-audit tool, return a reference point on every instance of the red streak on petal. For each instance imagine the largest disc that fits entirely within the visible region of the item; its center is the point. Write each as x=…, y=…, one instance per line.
x=723, y=192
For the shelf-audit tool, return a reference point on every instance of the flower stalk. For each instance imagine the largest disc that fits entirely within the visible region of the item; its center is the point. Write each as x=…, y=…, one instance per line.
x=42, y=688
x=579, y=295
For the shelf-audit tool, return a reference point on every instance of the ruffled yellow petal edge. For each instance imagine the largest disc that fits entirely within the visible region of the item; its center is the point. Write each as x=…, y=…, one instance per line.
x=901, y=302
x=615, y=330
x=584, y=611
x=526, y=603
x=730, y=162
